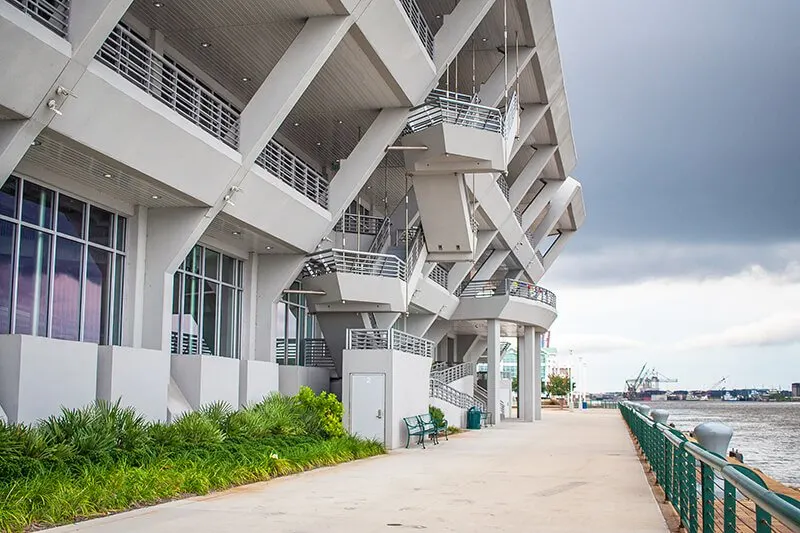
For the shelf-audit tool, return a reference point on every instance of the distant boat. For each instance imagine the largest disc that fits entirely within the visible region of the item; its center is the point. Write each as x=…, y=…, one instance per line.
x=728, y=397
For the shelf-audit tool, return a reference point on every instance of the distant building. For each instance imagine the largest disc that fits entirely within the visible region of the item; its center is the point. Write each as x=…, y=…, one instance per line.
x=796, y=390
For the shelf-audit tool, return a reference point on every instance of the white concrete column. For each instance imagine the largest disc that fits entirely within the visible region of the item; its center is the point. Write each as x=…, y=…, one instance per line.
x=539, y=203
x=490, y=266
x=275, y=273
x=537, y=371
x=135, y=265
x=476, y=350
x=494, y=89
x=532, y=170
x=419, y=323
x=522, y=382
x=531, y=378
x=529, y=118
x=493, y=370
x=457, y=29
x=171, y=234
x=438, y=330
x=250, y=307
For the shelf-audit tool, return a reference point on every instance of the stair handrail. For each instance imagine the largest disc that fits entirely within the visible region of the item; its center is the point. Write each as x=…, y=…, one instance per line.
x=384, y=231
x=454, y=373
x=443, y=391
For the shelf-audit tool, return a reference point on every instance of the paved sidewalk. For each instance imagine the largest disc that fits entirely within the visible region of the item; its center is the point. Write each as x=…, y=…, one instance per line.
x=575, y=472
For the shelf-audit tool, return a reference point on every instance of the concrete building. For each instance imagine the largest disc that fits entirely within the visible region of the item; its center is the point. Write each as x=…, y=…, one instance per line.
x=795, y=390
x=212, y=201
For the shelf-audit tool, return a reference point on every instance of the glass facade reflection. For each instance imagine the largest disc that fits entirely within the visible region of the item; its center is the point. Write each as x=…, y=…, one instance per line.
x=57, y=278
x=293, y=323
x=207, y=304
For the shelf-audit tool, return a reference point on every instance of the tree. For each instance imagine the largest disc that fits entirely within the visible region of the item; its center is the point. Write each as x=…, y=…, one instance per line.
x=558, y=386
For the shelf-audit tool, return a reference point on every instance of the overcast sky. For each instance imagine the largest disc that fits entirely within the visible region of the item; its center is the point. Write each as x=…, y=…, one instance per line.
x=686, y=117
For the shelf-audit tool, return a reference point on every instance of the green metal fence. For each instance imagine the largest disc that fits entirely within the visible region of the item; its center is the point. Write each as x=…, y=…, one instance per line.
x=709, y=493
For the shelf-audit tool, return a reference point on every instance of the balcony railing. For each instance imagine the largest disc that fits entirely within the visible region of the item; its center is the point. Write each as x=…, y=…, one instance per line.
x=52, y=14
x=389, y=339
x=129, y=55
x=455, y=109
x=439, y=275
x=509, y=287
x=382, y=236
x=315, y=352
x=348, y=261
x=503, y=184
x=294, y=172
x=365, y=225
x=420, y=24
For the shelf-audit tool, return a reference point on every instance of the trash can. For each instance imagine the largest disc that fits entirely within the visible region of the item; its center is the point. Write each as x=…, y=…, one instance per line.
x=585, y=405
x=474, y=418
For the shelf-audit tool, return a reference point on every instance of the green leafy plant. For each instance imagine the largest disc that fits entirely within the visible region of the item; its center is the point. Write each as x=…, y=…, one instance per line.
x=326, y=409
x=436, y=414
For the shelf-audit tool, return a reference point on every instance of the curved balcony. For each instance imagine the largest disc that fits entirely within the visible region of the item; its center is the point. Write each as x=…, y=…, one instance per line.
x=509, y=300
x=453, y=108
x=336, y=260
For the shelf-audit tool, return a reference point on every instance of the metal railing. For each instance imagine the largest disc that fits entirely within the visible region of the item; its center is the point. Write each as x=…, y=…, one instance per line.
x=442, y=391
x=348, y=261
x=414, y=250
x=382, y=236
x=363, y=224
x=129, y=55
x=315, y=352
x=708, y=492
x=503, y=184
x=481, y=394
x=52, y=14
x=452, y=110
x=438, y=365
x=293, y=171
x=511, y=121
x=439, y=275
x=453, y=373
x=389, y=339
x=510, y=287
x=420, y=24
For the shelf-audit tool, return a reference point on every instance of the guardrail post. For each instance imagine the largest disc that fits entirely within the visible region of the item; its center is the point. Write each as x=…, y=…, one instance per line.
x=668, y=453
x=691, y=491
x=730, y=507
x=763, y=521
x=707, y=476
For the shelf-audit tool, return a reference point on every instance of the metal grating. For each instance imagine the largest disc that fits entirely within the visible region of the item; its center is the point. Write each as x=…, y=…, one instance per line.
x=503, y=184
x=128, y=54
x=509, y=287
x=294, y=172
x=420, y=24
x=363, y=224
x=52, y=14
x=389, y=339
x=439, y=275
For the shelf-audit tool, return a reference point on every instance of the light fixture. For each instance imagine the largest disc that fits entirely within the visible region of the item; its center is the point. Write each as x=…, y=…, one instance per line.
x=106, y=175
x=438, y=16
x=484, y=39
x=269, y=247
x=36, y=142
x=339, y=121
x=205, y=44
x=155, y=197
x=245, y=78
x=319, y=143
x=158, y=4
x=296, y=124
x=237, y=233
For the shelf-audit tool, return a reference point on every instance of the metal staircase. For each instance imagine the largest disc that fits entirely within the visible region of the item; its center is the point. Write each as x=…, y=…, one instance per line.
x=445, y=392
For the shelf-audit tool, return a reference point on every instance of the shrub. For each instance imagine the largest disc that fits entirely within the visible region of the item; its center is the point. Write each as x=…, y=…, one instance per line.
x=436, y=414
x=325, y=410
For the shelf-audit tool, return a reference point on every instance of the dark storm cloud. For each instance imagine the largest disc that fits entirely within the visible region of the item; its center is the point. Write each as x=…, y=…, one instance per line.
x=686, y=116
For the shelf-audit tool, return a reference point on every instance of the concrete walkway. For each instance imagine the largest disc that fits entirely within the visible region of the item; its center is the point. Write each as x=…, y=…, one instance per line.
x=570, y=472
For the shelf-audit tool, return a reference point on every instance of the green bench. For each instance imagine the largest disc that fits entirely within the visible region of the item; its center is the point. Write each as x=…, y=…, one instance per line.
x=421, y=426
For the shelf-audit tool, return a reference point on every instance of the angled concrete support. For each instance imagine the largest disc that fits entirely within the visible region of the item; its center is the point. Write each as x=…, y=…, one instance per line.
x=463, y=345
x=275, y=273
x=418, y=324
x=491, y=265
x=388, y=320
x=287, y=81
x=559, y=203
x=529, y=118
x=460, y=271
x=494, y=89
x=532, y=170
x=364, y=159
x=171, y=234
x=438, y=330
x=539, y=203
x=457, y=29
x=90, y=23
x=556, y=249
x=476, y=350
x=493, y=370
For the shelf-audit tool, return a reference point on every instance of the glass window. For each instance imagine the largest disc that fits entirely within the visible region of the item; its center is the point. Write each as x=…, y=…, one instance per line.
x=67, y=279
x=101, y=226
x=8, y=198
x=67, y=290
x=293, y=324
x=70, y=216
x=207, y=307
x=7, y=240
x=37, y=205
x=33, y=282
x=121, y=229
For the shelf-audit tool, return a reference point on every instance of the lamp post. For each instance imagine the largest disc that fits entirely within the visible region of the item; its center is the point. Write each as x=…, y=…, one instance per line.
x=569, y=393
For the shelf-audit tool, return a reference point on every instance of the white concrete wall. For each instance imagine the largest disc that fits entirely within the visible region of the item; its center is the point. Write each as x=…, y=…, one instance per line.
x=139, y=378
x=206, y=379
x=39, y=376
x=257, y=379
x=506, y=395
x=465, y=385
x=455, y=416
x=407, y=378
x=293, y=377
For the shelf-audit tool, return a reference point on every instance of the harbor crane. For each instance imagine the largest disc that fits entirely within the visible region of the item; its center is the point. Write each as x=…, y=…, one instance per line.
x=646, y=380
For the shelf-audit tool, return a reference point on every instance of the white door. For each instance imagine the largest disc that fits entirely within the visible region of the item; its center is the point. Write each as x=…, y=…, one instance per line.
x=368, y=406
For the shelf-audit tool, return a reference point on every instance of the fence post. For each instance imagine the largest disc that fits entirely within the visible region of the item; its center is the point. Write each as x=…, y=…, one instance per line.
x=730, y=507
x=707, y=476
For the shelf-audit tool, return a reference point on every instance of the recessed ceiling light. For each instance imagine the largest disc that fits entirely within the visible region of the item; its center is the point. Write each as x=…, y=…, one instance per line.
x=319, y=144
x=340, y=122
x=269, y=247
x=484, y=39
x=236, y=232
x=106, y=175
x=438, y=16
x=36, y=142
x=296, y=124
x=158, y=4
x=205, y=44
x=245, y=78
x=155, y=197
